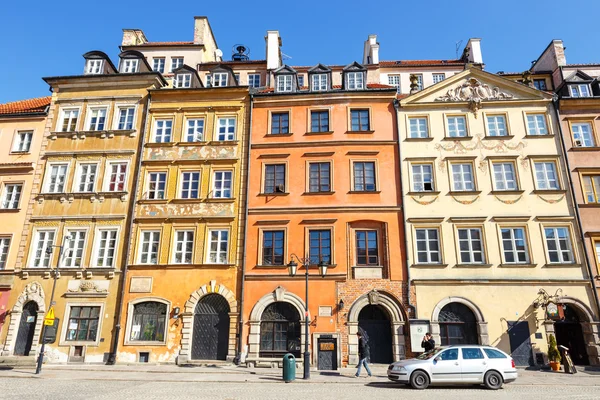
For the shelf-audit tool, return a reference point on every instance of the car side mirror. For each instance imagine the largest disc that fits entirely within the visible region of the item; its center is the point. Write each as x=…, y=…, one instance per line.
x=437, y=359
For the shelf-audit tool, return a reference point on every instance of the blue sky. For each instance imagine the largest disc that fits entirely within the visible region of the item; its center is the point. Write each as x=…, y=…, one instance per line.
x=44, y=38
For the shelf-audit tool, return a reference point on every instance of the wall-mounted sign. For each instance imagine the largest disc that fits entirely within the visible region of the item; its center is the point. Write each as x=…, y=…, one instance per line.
x=554, y=311
x=325, y=311
x=418, y=329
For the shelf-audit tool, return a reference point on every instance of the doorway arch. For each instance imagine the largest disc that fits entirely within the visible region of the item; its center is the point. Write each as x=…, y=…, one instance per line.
x=480, y=323
x=26, y=329
x=375, y=325
x=211, y=328
x=33, y=292
x=458, y=325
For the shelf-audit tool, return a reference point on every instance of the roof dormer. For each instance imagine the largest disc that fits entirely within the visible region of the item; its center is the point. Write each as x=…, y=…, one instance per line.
x=578, y=84
x=221, y=75
x=286, y=79
x=354, y=77
x=98, y=63
x=133, y=61
x=319, y=78
x=186, y=77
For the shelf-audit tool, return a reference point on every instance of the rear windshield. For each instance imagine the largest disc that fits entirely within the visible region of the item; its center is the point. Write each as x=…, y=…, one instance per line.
x=493, y=353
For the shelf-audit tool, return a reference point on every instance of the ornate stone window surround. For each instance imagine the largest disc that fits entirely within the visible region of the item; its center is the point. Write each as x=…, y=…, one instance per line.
x=482, y=328
x=32, y=292
x=130, y=309
x=65, y=324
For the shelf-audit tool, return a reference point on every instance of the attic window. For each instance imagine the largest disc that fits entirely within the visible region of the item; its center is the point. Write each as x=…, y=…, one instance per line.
x=284, y=83
x=182, y=81
x=579, y=90
x=355, y=81
x=93, y=67
x=219, y=79
x=319, y=82
x=129, y=66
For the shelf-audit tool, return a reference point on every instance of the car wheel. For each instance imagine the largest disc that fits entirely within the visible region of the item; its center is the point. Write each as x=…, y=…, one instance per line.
x=419, y=380
x=493, y=380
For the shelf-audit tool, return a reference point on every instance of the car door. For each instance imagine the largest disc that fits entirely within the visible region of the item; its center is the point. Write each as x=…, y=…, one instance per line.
x=446, y=367
x=473, y=365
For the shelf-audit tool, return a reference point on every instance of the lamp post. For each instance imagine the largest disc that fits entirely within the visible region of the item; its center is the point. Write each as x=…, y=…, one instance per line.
x=40, y=360
x=292, y=268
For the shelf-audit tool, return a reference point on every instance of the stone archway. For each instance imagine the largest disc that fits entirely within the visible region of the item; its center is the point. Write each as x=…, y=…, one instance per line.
x=482, y=328
x=187, y=317
x=32, y=292
x=397, y=320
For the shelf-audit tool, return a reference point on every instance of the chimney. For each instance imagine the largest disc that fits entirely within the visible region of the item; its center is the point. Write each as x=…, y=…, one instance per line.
x=474, y=51
x=201, y=30
x=133, y=37
x=552, y=57
x=371, y=50
x=273, y=50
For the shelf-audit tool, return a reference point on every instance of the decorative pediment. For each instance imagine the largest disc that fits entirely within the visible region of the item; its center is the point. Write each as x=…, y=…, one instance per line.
x=474, y=92
x=284, y=69
x=579, y=76
x=354, y=67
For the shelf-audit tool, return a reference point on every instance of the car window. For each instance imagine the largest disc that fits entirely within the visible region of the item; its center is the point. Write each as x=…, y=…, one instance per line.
x=493, y=353
x=471, y=354
x=429, y=354
x=448, y=355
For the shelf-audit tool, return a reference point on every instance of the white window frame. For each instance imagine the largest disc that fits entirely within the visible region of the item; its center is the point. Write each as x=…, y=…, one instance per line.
x=300, y=80
x=534, y=127
x=419, y=129
x=355, y=80
x=98, y=253
x=153, y=239
x=183, y=191
x=130, y=65
x=252, y=80
x=559, y=250
x=176, y=62
x=504, y=184
x=583, y=137
x=48, y=177
x=512, y=241
x=4, y=250
x=419, y=81
x=180, y=246
x=22, y=141
x=161, y=133
x=454, y=126
x=219, y=240
x=219, y=79
x=108, y=175
x=470, y=240
x=497, y=125
x=438, y=77
x=545, y=183
x=156, y=64
x=227, y=124
x=11, y=198
x=284, y=83
x=156, y=190
x=580, y=90
x=70, y=118
x=95, y=126
x=428, y=251
x=86, y=178
x=42, y=245
x=129, y=112
x=462, y=185
x=220, y=193
x=78, y=237
x=394, y=80
x=182, y=81
x=94, y=66
x=318, y=82
x=418, y=175
x=194, y=128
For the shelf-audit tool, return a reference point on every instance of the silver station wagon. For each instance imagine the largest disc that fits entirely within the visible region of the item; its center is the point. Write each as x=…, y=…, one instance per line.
x=468, y=364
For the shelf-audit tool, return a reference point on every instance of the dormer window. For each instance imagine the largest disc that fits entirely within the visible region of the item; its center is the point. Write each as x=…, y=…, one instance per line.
x=580, y=90
x=93, y=67
x=284, y=83
x=129, y=66
x=355, y=81
x=219, y=79
x=182, y=81
x=319, y=82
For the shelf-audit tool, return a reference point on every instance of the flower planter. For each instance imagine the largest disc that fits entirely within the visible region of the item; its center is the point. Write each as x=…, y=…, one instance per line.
x=555, y=365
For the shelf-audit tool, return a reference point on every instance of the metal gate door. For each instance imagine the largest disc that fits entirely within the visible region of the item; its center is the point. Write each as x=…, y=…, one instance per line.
x=26, y=329
x=211, y=328
x=327, y=353
x=374, y=321
x=520, y=343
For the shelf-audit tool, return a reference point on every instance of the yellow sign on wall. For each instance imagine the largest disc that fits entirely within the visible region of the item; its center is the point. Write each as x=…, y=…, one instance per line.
x=49, y=320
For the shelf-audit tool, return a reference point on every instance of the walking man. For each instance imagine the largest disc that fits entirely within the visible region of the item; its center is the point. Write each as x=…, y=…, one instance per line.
x=363, y=355
x=428, y=343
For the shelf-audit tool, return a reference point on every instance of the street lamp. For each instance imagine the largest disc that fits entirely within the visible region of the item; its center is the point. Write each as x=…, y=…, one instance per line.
x=293, y=268
x=40, y=360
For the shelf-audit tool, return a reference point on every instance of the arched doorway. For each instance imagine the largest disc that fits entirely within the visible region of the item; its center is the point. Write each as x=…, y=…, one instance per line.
x=374, y=323
x=569, y=333
x=26, y=329
x=458, y=325
x=211, y=328
x=280, y=330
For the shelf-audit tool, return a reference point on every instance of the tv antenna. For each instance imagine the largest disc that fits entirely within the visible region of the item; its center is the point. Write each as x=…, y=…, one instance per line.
x=458, y=44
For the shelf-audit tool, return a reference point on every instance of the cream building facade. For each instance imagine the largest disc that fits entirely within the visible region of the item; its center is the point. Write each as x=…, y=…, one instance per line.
x=492, y=241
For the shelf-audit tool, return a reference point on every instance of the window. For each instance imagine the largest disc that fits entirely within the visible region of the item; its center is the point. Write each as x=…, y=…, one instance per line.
x=93, y=67
x=219, y=79
x=422, y=177
x=359, y=120
x=55, y=182
x=222, y=184
x=218, y=247
x=471, y=353
x=540, y=84
x=470, y=246
x=496, y=125
x=301, y=80
x=274, y=178
x=318, y=82
x=149, y=247
x=87, y=177
x=428, y=246
x=504, y=176
x=364, y=176
x=418, y=128
x=106, y=243
x=4, y=246
x=280, y=123
x=493, y=353
x=176, y=62
x=514, y=246
x=73, y=253
x=394, y=80
x=545, y=175
x=237, y=78
x=582, y=135
x=319, y=121
x=126, y=118
x=44, y=239
x=158, y=65
x=319, y=177
x=148, y=322
x=558, y=242
x=156, y=185
x=319, y=246
x=182, y=81
x=162, y=130
x=536, y=124
x=438, y=78
x=367, y=251
x=195, y=130
x=462, y=178
x=597, y=248
x=279, y=330
x=226, y=129
x=419, y=81
x=117, y=177
x=97, y=119
x=130, y=66
x=457, y=126
x=184, y=247
x=190, y=183
x=591, y=186
x=12, y=196
x=284, y=83
x=449, y=355
x=208, y=81
x=579, y=90
x=272, y=244
x=254, y=80
x=69, y=120
x=83, y=324
x=355, y=80
x=22, y=142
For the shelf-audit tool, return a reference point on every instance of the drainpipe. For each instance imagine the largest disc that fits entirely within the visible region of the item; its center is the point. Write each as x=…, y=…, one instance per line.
x=112, y=357
x=555, y=101
x=410, y=304
x=238, y=357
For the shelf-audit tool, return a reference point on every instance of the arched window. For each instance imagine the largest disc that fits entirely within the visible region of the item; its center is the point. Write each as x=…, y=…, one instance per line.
x=457, y=325
x=149, y=321
x=280, y=330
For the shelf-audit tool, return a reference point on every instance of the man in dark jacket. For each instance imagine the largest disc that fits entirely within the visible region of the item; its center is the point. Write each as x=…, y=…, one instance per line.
x=428, y=343
x=363, y=355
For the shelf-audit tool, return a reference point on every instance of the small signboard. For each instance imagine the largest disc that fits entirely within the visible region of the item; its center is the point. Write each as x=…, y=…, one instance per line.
x=49, y=320
x=51, y=331
x=555, y=311
x=418, y=329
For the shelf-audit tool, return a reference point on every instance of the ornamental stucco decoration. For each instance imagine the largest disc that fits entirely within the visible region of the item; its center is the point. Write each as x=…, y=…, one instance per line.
x=199, y=209
x=192, y=153
x=465, y=202
x=508, y=201
x=474, y=92
x=424, y=202
x=373, y=297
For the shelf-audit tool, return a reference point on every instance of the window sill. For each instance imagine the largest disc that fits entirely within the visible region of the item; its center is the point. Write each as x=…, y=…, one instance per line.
x=589, y=205
x=538, y=136
x=220, y=200
x=161, y=144
x=359, y=132
x=144, y=343
x=103, y=134
x=153, y=201
x=561, y=265
x=428, y=265
x=506, y=192
x=317, y=193
x=367, y=266
x=505, y=137
x=274, y=194
x=318, y=133
x=453, y=138
x=464, y=192
x=10, y=210
x=270, y=266
x=223, y=142
x=279, y=134
x=550, y=191
x=473, y=265
x=424, y=193
x=20, y=153
x=364, y=192
x=517, y=265
x=584, y=148
x=185, y=201
x=198, y=143
x=425, y=139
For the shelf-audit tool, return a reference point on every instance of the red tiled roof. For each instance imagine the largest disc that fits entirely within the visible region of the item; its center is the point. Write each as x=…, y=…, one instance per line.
x=161, y=44
x=419, y=63
x=38, y=104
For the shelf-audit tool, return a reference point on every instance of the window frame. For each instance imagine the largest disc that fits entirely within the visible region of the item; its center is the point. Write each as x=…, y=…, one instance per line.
x=592, y=132
x=5, y=241
x=281, y=84
x=149, y=181
x=106, y=182
x=537, y=85
x=396, y=85
x=471, y=252
x=535, y=120
x=34, y=244
x=378, y=244
x=61, y=120
x=571, y=245
x=48, y=176
x=180, y=188
x=165, y=127
x=275, y=164
x=63, y=335
x=208, y=247
x=252, y=78
x=420, y=82
x=437, y=74
x=360, y=125
x=164, y=63
x=331, y=230
x=428, y=251
x=515, y=173
x=356, y=85
x=375, y=176
x=17, y=142
x=5, y=204
x=227, y=137
x=130, y=315
x=595, y=188
x=526, y=241
x=213, y=181
x=96, y=247
x=152, y=240
x=175, y=242
x=69, y=232
x=490, y=130
x=309, y=164
x=175, y=62
x=413, y=182
x=319, y=82
x=279, y=125
x=92, y=65
x=117, y=117
x=78, y=181
x=186, y=133
x=219, y=79
x=471, y=164
x=182, y=80
x=578, y=91
x=310, y=120
x=409, y=126
x=447, y=126
x=556, y=172
x=130, y=65
x=261, y=246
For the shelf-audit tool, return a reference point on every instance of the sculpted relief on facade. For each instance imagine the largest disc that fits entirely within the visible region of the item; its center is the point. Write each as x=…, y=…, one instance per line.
x=192, y=153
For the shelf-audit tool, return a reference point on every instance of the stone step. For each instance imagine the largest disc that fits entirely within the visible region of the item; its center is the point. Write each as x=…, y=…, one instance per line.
x=206, y=363
x=18, y=361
